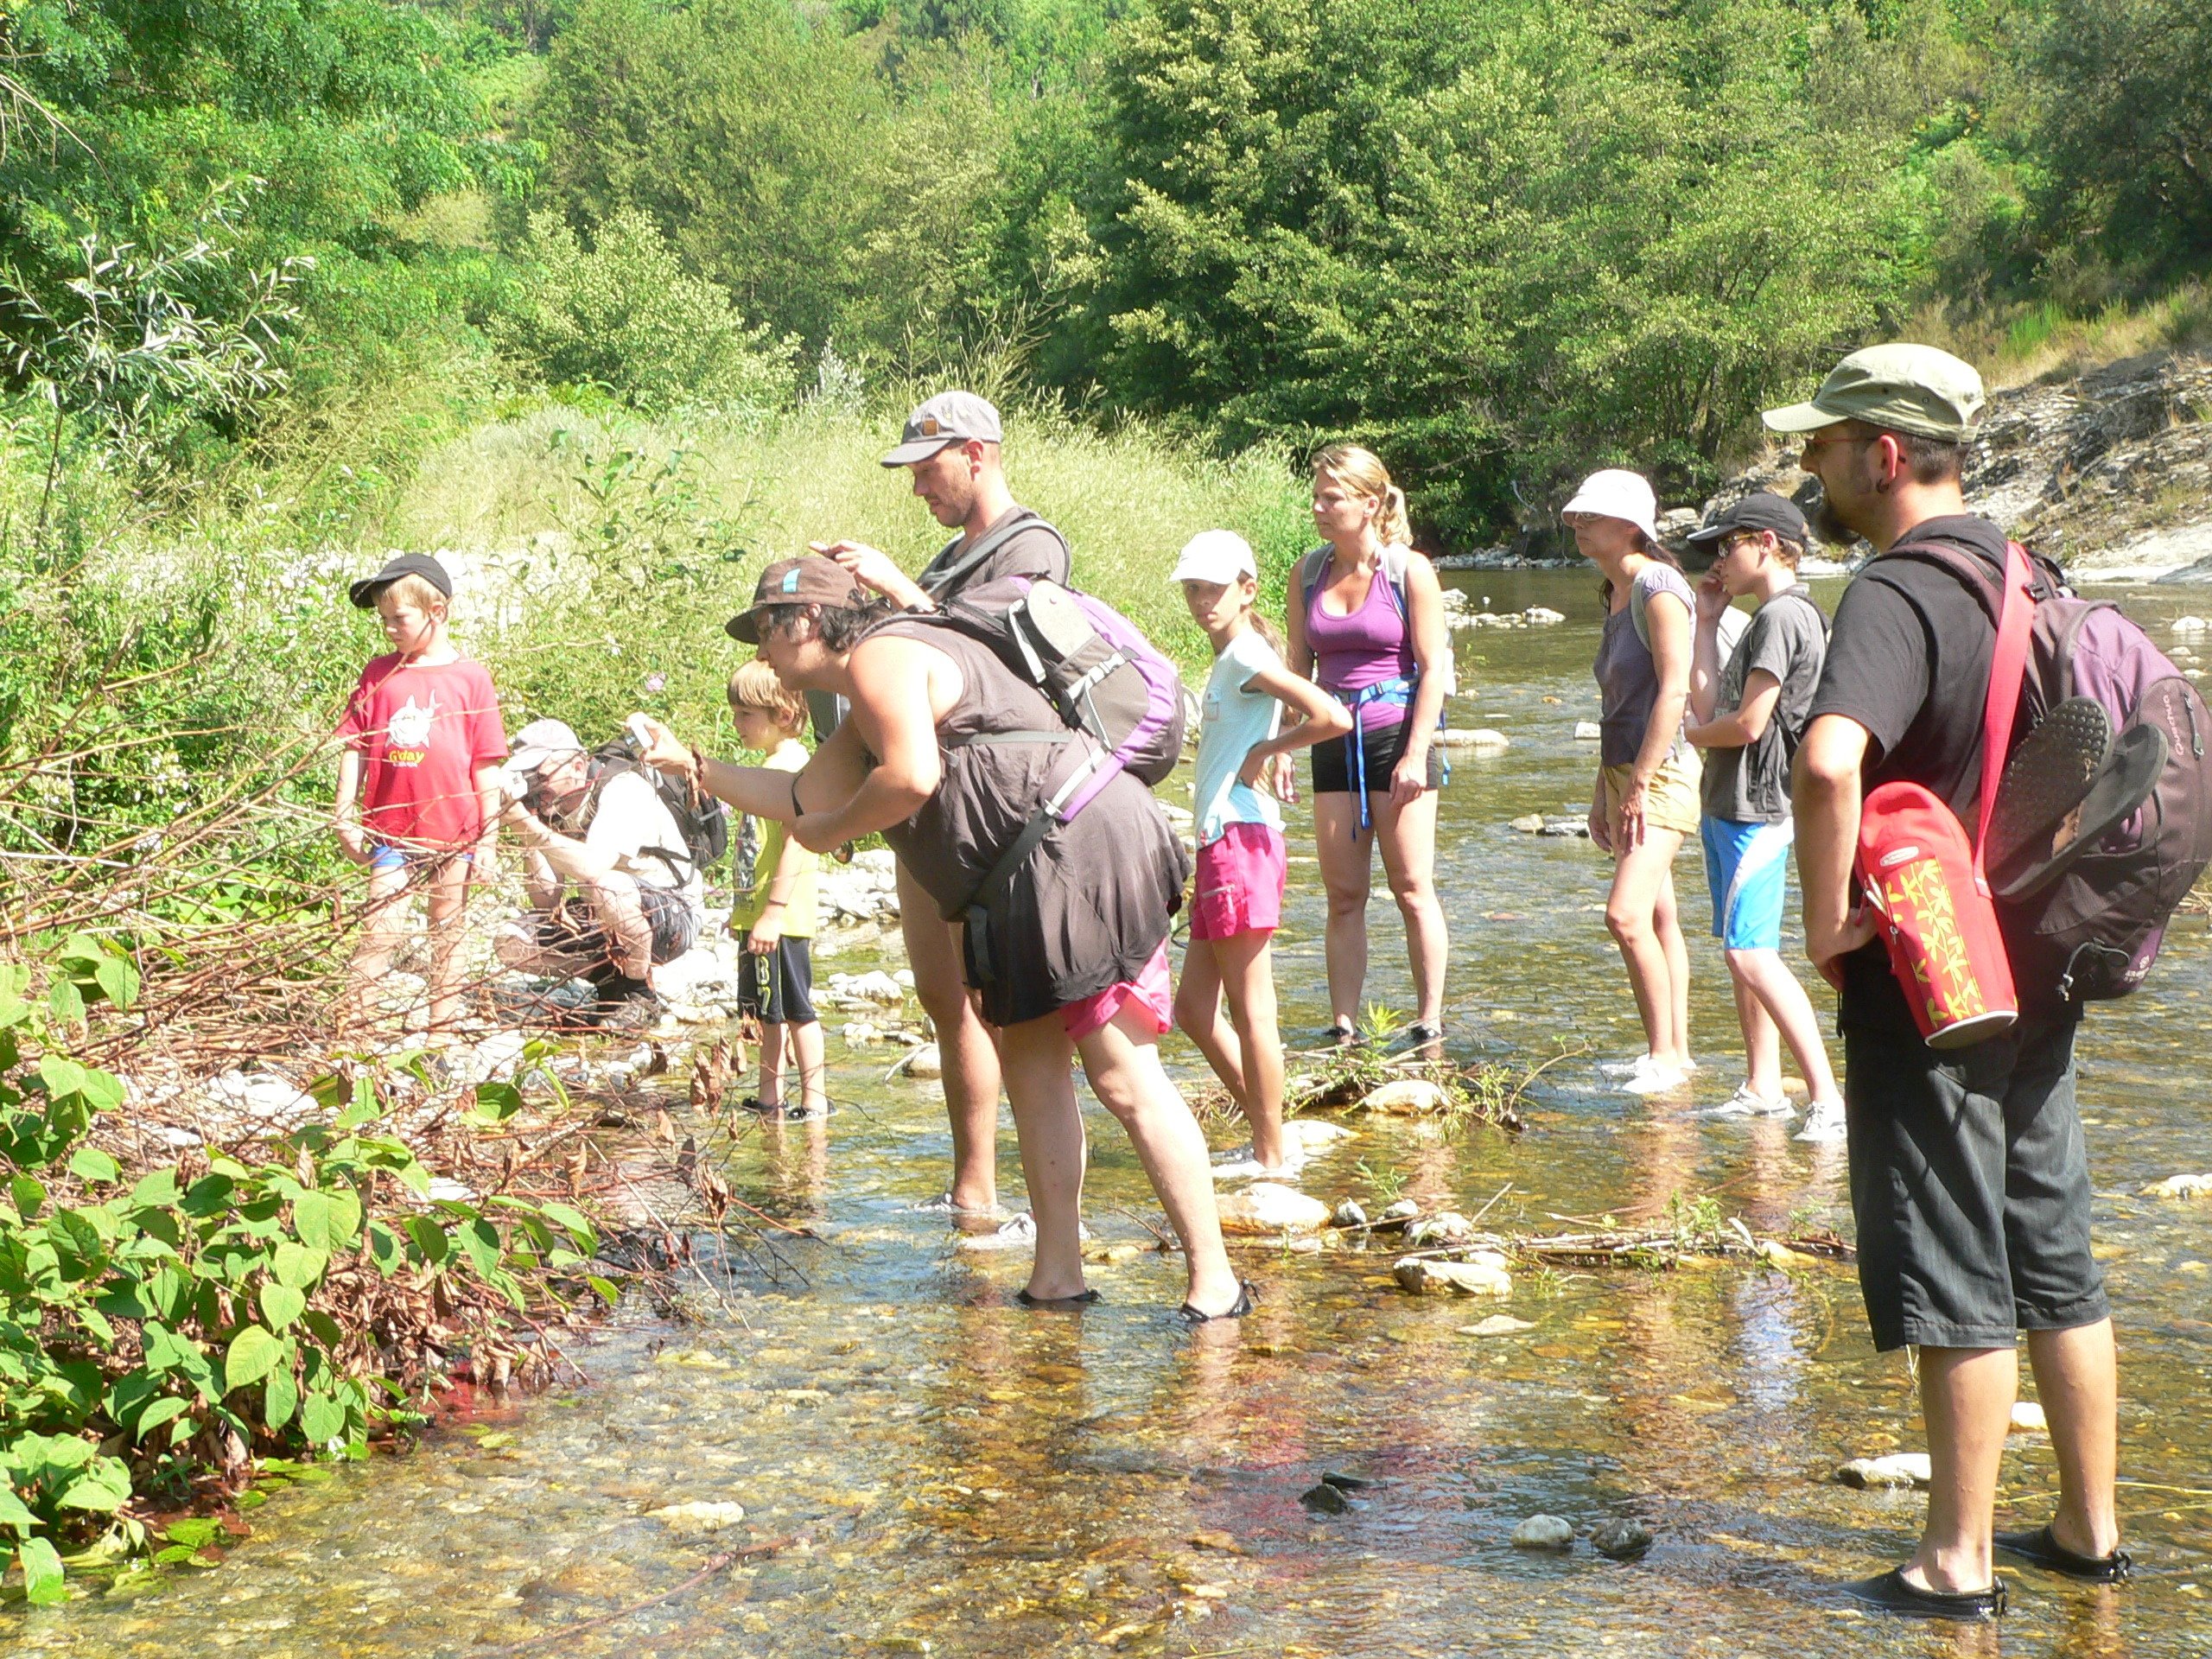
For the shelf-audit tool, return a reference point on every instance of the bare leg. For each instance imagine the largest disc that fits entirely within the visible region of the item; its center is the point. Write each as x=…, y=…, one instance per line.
x=381, y=922
x=1640, y=878
x=447, y=904
x=1246, y=973
x=1965, y=1395
x=1199, y=1016
x=1346, y=873
x=963, y=1041
x=771, y=1063
x=1782, y=1000
x=807, y=1048
x=615, y=903
x=1762, y=1043
x=2077, y=1380
x=1407, y=836
x=1049, y=1128
x=1122, y=1059
x=1667, y=923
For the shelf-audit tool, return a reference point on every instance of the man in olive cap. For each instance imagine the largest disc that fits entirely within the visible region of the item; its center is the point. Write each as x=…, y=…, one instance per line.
x=952, y=447
x=1969, y=1183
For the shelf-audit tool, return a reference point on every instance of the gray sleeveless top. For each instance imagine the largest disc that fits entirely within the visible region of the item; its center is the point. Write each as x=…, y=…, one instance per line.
x=1628, y=680
x=1095, y=898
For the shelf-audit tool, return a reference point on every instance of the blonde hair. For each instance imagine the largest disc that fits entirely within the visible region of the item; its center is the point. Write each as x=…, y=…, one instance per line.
x=755, y=686
x=1361, y=472
x=418, y=591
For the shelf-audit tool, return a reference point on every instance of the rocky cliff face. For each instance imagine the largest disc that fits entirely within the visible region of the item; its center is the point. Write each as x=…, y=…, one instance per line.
x=2110, y=471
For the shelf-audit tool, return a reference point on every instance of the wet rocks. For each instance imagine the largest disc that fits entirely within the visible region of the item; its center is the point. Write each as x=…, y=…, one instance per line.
x=875, y=986
x=1483, y=1274
x=1324, y=1499
x=1587, y=731
x=1482, y=740
x=1544, y=1532
x=2180, y=1186
x=1497, y=1325
x=1900, y=1471
x=1620, y=1540
x=1270, y=1207
x=1400, y=1210
x=698, y=1517
x=1447, y=1227
x=2028, y=1418
x=1347, y=1214
x=1558, y=825
x=924, y=1061
x=1530, y=823
x=1407, y=1097
x=1311, y=1135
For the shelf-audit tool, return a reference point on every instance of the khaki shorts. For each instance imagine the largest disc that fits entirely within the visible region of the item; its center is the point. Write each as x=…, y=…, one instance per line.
x=1672, y=801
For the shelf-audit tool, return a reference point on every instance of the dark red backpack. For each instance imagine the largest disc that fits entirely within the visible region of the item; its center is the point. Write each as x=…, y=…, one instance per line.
x=2090, y=919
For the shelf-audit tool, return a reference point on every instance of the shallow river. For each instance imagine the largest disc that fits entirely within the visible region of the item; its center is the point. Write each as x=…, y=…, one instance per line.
x=968, y=1478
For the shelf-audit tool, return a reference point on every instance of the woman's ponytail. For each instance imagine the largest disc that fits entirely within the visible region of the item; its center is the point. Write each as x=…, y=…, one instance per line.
x=1390, y=523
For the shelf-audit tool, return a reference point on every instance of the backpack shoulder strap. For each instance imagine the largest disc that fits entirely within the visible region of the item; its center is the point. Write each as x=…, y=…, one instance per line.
x=1396, y=559
x=958, y=571
x=2008, y=667
x=1310, y=568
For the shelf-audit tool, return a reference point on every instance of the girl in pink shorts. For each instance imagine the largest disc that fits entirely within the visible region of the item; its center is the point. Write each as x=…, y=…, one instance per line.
x=1241, y=860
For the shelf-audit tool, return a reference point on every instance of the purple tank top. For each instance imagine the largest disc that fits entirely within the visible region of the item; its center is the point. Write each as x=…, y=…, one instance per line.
x=1372, y=644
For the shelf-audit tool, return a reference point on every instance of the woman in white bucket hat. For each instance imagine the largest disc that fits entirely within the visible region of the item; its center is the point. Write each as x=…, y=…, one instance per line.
x=1646, y=798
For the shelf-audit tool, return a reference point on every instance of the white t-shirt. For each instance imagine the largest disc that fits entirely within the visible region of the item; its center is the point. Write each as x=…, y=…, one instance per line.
x=630, y=818
x=1231, y=720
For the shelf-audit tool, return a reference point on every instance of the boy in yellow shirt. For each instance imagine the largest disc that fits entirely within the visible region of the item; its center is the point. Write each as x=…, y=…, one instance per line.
x=774, y=910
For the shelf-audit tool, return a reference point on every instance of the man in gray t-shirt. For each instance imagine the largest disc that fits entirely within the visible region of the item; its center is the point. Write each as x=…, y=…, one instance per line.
x=1787, y=639
x=1748, y=707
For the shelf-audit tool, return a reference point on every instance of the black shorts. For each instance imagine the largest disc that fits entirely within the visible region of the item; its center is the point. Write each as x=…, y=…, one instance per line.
x=778, y=988
x=575, y=927
x=1970, y=1186
x=1332, y=761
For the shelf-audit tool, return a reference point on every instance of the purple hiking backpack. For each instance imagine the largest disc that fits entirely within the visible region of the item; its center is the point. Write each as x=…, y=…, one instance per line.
x=2091, y=916
x=1107, y=682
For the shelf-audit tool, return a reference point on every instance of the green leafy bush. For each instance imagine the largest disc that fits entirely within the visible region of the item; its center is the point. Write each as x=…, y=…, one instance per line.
x=176, y=1321
x=623, y=314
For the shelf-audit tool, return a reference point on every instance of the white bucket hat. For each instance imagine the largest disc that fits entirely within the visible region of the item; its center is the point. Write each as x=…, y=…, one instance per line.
x=1216, y=555
x=1617, y=493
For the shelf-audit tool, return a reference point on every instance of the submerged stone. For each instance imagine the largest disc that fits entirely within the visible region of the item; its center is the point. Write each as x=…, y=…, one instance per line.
x=1544, y=1532
x=1621, y=1540
x=1898, y=1470
x=1324, y=1499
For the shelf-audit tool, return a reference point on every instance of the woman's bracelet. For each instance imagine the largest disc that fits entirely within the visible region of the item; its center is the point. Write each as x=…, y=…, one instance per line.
x=797, y=811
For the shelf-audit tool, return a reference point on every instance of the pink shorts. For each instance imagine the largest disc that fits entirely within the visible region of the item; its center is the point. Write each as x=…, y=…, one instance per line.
x=1240, y=883
x=1150, y=992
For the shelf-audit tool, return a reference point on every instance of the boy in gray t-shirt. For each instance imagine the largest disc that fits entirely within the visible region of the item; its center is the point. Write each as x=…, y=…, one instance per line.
x=1746, y=713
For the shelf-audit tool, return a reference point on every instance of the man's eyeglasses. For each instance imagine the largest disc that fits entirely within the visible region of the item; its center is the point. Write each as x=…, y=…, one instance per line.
x=1812, y=446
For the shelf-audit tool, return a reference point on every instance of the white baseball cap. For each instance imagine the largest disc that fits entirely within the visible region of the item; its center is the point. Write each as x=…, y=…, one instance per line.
x=537, y=743
x=1216, y=555
x=1617, y=493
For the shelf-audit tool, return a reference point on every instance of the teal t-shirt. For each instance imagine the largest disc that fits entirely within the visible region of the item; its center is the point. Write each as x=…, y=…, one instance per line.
x=1231, y=720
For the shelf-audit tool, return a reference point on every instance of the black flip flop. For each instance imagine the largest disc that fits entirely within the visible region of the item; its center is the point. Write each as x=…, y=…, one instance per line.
x=2050, y=771
x=1247, y=1299
x=1892, y=1592
x=1083, y=1299
x=2125, y=781
x=2040, y=1547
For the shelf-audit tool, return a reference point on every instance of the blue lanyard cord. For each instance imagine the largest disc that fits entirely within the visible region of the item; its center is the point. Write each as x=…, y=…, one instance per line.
x=1399, y=689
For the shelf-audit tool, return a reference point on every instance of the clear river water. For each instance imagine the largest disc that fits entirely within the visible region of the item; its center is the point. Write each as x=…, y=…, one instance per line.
x=963, y=1478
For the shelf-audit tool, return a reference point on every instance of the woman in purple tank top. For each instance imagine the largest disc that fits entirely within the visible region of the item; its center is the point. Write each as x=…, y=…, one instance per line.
x=1366, y=620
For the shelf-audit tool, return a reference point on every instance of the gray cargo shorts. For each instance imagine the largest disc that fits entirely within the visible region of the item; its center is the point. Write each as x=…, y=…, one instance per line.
x=1970, y=1186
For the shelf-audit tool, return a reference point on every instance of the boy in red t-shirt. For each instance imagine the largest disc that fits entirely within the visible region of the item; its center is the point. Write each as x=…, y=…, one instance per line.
x=422, y=763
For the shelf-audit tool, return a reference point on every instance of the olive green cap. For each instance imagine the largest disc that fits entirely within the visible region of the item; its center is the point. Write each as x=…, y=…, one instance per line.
x=1903, y=387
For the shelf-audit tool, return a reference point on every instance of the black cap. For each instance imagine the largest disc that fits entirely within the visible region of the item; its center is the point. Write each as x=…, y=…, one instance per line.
x=365, y=591
x=1761, y=510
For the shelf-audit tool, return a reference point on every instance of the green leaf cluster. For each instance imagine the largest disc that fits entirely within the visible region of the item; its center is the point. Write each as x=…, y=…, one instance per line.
x=148, y=1320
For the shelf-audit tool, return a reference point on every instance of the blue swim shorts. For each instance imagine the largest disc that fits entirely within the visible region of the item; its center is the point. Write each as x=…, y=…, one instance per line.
x=1745, y=865
x=416, y=861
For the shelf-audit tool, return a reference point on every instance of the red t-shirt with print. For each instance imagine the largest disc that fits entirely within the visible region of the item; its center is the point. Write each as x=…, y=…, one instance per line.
x=422, y=731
